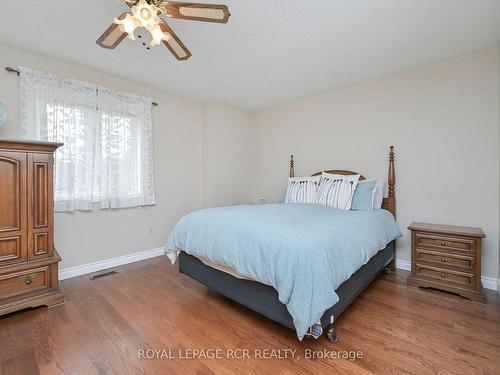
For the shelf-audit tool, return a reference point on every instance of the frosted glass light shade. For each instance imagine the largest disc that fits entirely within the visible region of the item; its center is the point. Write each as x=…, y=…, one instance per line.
x=146, y=14
x=128, y=25
x=157, y=35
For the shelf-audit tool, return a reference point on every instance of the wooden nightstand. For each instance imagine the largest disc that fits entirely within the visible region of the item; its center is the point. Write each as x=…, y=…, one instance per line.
x=448, y=258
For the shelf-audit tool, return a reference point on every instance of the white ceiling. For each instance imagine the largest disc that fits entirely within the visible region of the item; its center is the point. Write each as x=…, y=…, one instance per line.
x=271, y=51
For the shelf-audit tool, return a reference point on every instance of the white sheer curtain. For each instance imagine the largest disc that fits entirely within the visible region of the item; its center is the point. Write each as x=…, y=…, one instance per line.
x=107, y=136
x=63, y=110
x=126, y=177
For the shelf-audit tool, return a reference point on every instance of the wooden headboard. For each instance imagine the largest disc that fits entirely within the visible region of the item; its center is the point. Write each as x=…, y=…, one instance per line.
x=388, y=203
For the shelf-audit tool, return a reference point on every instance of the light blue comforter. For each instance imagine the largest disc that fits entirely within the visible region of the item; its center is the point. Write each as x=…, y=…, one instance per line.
x=305, y=251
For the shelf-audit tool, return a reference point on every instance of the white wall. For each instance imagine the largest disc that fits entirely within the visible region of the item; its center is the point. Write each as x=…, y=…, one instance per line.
x=443, y=120
x=85, y=237
x=229, y=139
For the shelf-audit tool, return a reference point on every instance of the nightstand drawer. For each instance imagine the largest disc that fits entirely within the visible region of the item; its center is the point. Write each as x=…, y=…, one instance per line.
x=446, y=276
x=445, y=243
x=446, y=260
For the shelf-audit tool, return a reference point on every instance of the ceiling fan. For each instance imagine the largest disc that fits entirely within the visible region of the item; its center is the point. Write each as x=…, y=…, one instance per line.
x=146, y=13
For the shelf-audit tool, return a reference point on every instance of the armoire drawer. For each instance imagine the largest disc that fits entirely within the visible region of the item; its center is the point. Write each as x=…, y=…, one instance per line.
x=24, y=282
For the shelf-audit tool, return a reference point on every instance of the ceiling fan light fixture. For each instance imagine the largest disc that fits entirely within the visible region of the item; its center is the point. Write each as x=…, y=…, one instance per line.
x=146, y=14
x=157, y=35
x=127, y=25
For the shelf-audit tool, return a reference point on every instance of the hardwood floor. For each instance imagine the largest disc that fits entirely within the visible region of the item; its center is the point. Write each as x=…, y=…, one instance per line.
x=106, y=322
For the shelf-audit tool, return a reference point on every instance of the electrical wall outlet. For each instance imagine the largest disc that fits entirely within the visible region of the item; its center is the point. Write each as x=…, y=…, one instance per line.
x=151, y=230
x=262, y=200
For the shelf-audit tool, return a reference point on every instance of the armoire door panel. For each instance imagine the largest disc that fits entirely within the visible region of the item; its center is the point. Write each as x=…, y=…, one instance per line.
x=40, y=202
x=40, y=194
x=41, y=243
x=12, y=169
x=10, y=248
x=12, y=207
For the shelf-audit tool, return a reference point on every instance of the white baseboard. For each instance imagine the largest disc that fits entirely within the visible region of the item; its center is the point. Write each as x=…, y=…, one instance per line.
x=403, y=264
x=67, y=273
x=488, y=282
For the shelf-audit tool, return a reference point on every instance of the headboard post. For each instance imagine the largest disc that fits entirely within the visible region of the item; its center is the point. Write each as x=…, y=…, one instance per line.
x=292, y=167
x=391, y=180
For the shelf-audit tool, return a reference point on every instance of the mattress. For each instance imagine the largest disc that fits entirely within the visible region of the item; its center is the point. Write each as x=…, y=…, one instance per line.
x=225, y=269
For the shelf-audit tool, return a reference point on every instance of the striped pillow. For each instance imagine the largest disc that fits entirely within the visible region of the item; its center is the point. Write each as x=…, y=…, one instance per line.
x=337, y=190
x=302, y=189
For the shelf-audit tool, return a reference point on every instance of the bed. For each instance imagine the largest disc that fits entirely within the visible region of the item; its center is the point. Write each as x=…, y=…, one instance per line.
x=300, y=265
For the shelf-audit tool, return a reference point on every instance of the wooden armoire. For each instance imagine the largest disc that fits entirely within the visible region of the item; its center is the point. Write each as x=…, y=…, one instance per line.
x=28, y=260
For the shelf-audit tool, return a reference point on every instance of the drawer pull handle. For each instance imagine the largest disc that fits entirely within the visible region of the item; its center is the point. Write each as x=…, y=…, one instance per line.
x=443, y=274
x=443, y=259
x=27, y=280
x=443, y=243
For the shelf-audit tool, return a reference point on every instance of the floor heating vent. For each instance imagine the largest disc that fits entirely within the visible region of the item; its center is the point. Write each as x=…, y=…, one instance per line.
x=102, y=274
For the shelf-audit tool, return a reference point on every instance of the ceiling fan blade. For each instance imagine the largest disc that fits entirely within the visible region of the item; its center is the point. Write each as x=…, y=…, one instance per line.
x=113, y=35
x=174, y=44
x=196, y=12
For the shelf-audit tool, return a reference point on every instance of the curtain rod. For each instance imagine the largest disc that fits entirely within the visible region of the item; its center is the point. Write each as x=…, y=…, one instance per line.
x=12, y=70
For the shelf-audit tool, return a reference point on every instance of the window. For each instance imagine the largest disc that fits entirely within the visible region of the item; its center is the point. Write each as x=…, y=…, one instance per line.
x=107, y=136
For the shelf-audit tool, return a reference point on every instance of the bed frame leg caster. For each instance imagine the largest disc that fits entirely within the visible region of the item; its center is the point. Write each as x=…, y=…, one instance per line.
x=390, y=268
x=332, y=334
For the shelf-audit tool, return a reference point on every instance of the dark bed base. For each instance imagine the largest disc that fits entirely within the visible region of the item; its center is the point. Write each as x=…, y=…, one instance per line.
x=264, y=299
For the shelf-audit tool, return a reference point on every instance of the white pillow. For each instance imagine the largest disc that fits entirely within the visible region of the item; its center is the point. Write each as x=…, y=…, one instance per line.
x=379, y=194
x=337, y=190
x=302, y=189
